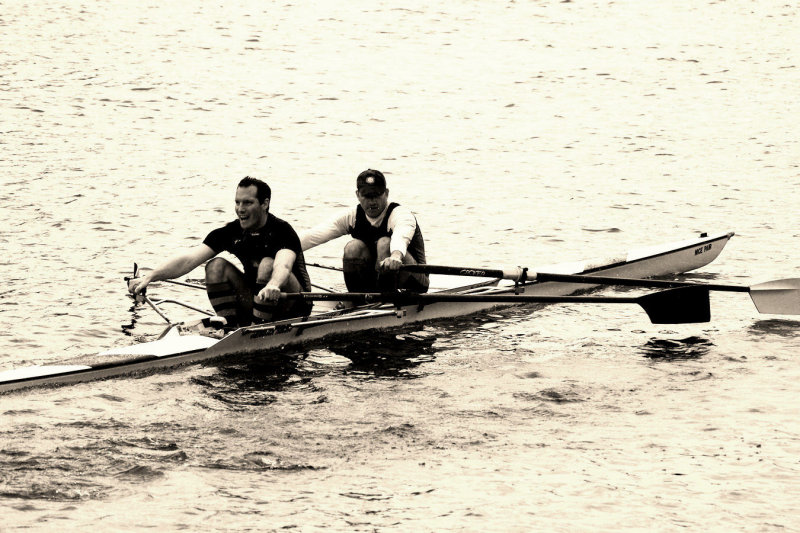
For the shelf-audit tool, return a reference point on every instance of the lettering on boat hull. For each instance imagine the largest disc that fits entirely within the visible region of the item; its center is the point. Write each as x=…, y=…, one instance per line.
x=703, y=249
x=268, y=332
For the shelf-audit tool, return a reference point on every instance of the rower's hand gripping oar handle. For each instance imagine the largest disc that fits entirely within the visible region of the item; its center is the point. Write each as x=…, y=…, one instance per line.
x=141, y=296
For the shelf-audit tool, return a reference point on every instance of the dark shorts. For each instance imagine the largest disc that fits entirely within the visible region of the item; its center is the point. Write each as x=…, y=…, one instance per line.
x=295, y=308
x=416, y=282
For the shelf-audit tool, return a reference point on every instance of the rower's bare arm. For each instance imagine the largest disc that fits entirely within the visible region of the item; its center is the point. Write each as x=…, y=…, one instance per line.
x=174, y=267
x=281, y=270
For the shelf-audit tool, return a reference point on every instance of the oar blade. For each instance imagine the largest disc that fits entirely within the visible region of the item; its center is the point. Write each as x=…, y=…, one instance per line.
x=779, y=297
x=684, y=305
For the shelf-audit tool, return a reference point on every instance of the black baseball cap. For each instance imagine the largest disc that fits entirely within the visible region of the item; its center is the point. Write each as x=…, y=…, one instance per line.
x=371, y=182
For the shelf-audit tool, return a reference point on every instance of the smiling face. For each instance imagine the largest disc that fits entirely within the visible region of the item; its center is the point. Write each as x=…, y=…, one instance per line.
x=252, y=214
x=373, y=204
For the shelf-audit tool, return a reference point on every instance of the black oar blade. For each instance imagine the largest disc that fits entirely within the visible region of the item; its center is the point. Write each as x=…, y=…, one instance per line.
x=684, y=305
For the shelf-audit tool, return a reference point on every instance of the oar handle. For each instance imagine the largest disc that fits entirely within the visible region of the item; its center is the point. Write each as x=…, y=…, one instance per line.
x=516, y=273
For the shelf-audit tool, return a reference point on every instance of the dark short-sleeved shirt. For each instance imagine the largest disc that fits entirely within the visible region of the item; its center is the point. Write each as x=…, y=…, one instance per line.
x=250, y=247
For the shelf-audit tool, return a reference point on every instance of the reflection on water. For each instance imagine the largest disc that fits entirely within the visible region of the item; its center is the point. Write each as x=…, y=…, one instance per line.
x=255, y=380
x=386, y=355
x=676, y=349
x=127, y=329
x=252, y=382
x=775, y=326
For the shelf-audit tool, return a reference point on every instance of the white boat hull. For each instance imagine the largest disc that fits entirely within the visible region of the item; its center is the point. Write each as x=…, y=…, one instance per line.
x=173, y=349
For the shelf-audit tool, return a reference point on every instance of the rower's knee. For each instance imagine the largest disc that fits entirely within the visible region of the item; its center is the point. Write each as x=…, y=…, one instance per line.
x=217, y=270
x=265, y=270
x=357, y=258
x=383, y=247
x=356, y=249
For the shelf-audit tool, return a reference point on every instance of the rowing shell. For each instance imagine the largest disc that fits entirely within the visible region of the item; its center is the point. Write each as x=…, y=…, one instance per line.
x=180, y=345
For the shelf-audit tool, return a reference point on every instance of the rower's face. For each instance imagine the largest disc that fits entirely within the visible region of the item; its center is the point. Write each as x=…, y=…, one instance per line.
x=252, y=214
x=373, y=204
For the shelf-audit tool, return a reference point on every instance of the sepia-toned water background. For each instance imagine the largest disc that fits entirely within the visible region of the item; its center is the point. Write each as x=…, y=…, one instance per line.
x=520, y=133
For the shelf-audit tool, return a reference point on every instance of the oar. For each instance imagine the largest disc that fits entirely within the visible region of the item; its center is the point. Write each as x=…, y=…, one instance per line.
x=184, y=284
x=673, y=306
x=778, y=297
x=516, y=273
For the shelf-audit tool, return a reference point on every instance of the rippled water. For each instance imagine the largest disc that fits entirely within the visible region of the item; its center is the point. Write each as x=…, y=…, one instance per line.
x=520, y=133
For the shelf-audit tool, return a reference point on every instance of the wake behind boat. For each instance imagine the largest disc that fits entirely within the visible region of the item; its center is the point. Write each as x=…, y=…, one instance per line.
x=186, y=342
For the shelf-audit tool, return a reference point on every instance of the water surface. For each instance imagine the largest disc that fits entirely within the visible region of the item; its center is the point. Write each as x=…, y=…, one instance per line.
x=520, y=133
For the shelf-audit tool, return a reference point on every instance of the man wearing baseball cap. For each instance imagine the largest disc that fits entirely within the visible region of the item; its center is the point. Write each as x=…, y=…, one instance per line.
x=384, y=236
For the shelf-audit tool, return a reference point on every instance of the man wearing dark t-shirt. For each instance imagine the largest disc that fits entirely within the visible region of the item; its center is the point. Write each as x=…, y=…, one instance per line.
x=270, y=253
